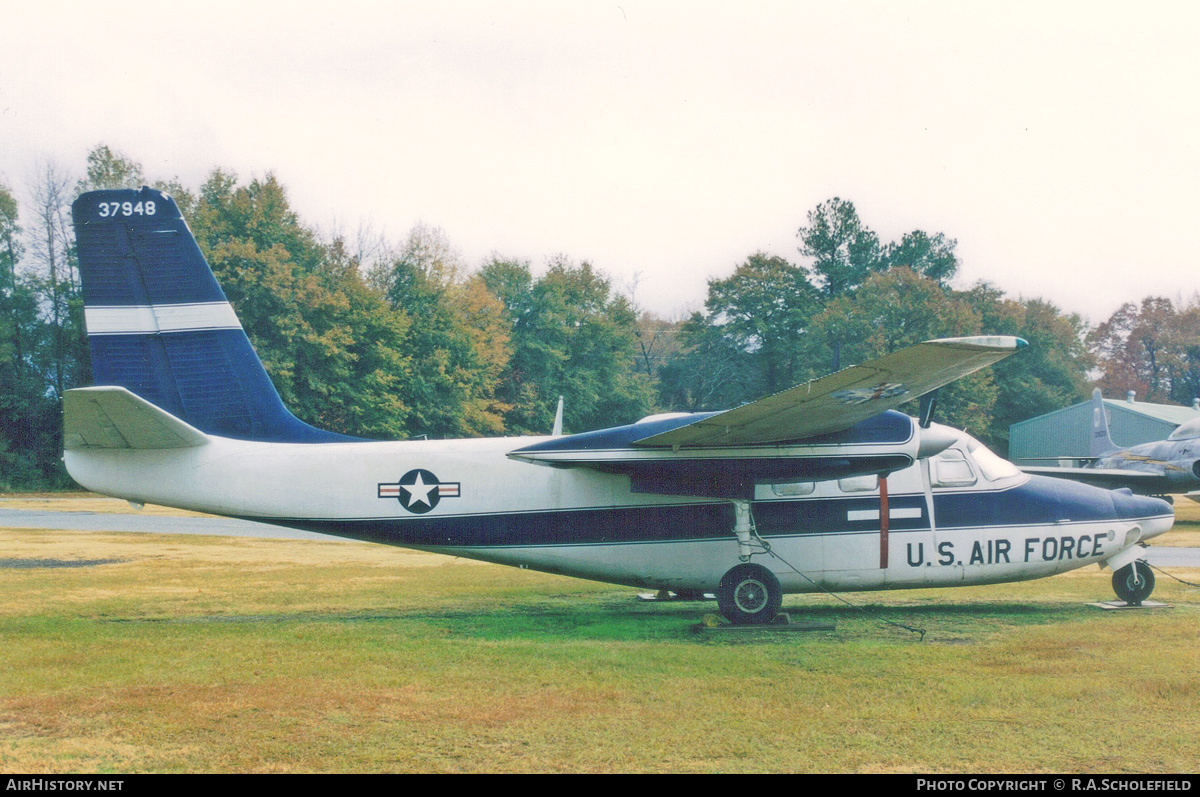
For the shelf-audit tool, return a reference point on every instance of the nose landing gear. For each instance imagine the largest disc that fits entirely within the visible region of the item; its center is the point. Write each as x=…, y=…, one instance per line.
x=1133, y=583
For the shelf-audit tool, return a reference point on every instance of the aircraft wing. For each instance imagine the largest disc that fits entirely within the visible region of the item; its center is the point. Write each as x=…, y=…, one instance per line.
x=1140, y=481
x=830, y=428
x=838, y=401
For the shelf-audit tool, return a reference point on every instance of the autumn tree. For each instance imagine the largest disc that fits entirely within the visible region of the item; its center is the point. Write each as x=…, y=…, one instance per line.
x=572, y=336
x=657, y=337
x=457, y=340
x=1050, y=374
x=10, y=254
x=712, y=370
x=844, y=251
x=482, y=316
x=359, y=372
x=64, y=357
x=520, y=384
x=43, y=349
x=109, y=169
x=333, y=347
x=749, y=341
x=1152, y=348
x=28, y=428
x=931, y=256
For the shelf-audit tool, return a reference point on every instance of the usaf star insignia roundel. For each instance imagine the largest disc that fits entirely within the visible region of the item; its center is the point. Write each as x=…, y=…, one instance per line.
x=863, y=395
x=419, y=490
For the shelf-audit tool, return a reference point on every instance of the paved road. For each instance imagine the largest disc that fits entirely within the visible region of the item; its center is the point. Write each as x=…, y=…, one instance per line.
x=103, y=521
x=227, y=527
x=1173, y=557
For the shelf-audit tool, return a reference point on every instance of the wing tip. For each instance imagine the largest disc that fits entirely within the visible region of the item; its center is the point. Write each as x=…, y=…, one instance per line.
x=984, y=342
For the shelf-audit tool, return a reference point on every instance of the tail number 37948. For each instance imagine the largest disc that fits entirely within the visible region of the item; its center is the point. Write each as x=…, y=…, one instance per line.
x=110, y=209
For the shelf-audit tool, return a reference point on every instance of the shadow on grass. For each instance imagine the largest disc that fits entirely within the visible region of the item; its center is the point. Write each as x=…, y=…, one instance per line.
x=28, y=564
x=620, y=617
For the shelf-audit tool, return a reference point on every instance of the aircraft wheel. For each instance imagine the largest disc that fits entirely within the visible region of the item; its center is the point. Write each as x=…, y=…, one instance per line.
x=1133, y=585
x=749, y=594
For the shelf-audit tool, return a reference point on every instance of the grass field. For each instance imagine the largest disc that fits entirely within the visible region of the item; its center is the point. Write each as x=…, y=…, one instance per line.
x=211, y=654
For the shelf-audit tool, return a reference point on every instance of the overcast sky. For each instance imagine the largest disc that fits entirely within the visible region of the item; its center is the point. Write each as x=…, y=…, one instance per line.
x=1057, y=142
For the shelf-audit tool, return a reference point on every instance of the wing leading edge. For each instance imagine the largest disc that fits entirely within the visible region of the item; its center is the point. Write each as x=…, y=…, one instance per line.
x=841, y=400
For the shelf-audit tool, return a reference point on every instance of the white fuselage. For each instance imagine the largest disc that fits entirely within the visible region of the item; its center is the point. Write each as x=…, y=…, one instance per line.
x=471, y=499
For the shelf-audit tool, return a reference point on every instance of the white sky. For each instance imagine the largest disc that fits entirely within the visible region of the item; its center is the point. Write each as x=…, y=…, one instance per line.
x=1056, y=141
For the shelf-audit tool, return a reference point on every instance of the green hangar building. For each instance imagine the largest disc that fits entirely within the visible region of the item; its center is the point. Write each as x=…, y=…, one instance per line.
x=1066, y=434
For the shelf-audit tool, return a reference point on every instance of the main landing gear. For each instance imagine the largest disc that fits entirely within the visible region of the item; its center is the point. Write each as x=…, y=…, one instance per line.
x=748, y=594
x=1133, y=583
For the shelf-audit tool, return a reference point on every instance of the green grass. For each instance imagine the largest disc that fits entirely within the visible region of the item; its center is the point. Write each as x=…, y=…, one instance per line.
x=198, y=654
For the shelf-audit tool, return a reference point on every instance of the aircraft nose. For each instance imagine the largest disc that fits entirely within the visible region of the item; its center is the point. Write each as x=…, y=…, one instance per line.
x=1153, y=514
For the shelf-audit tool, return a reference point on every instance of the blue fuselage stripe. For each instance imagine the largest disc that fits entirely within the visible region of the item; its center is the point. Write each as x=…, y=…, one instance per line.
x=1030, y=504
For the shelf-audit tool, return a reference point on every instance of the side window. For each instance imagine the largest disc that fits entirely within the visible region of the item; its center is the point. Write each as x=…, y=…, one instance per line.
x=793, y=489
x=859, y=484
x=951, y=469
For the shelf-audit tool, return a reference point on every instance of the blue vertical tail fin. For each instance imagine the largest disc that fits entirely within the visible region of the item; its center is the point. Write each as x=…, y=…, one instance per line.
x=160, y=326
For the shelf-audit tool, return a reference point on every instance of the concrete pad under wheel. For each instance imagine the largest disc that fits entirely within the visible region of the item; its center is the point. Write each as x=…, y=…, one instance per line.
x=1124, y=605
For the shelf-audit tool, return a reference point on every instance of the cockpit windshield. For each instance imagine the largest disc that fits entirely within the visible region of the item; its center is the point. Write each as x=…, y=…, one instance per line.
x=1186, y=431
x=994, y=468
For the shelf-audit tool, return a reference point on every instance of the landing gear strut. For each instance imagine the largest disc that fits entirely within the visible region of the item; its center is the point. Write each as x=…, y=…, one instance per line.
x=749, y=594
x=1133, y=583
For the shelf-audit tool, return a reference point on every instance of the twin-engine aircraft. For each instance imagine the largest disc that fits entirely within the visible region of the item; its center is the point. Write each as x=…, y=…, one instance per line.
x=821, y=487
x=1158, y=468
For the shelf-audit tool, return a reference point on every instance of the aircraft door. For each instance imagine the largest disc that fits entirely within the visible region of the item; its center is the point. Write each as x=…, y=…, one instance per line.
x=950, y=479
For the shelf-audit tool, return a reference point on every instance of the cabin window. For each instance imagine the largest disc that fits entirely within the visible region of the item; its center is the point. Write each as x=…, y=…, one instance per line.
x=859, y=484
x=792, y=489
x=951, y=469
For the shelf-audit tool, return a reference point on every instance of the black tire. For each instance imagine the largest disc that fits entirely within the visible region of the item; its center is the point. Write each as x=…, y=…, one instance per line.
x=749, y=594
x=1133, y=585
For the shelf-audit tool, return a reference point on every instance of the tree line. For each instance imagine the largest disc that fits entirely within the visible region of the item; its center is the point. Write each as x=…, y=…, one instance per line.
x=382, y=339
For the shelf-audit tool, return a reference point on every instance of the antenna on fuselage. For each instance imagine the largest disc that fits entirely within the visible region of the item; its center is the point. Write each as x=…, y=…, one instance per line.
x=558, y=419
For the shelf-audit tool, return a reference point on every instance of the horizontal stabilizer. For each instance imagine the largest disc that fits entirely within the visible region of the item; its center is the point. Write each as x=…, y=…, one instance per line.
x=841, y=400
x=113, y=417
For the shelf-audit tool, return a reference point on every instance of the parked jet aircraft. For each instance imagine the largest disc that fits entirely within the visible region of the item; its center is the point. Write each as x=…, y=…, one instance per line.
x=1159, y=468
x=823, y=486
